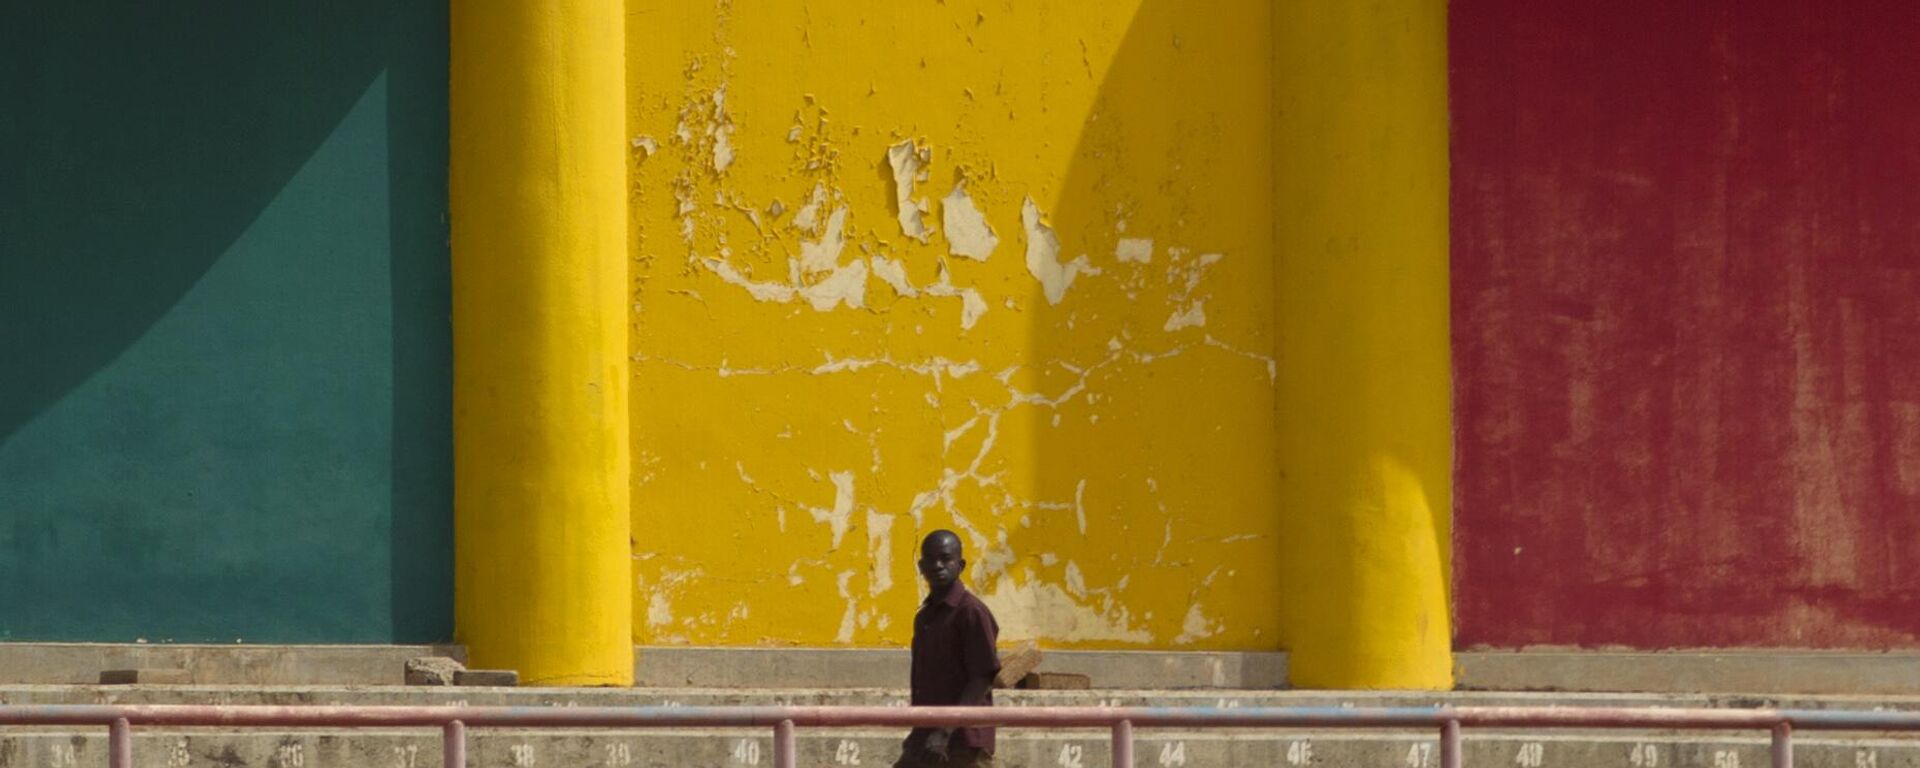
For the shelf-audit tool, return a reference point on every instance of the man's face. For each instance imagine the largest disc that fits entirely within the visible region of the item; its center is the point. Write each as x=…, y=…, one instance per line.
x=940, y=562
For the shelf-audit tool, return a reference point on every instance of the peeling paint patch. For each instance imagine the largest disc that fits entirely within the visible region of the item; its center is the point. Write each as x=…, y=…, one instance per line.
x=840, y=517
x=659, y=610
x=1137, y=250
x=1043, y=256
x=779, y=293
x=1080, y=505
x=1196, y=626
x=722, y=132
x=823, y=255
x=968, y=233
x=1076, y=581
x=1038, y=610
x=1194, y=316
x=646, y=145
x=808, y=217
x=972, y=305
x=880, y=548
x=910, y=163
x=894, y=274
x=850, y=619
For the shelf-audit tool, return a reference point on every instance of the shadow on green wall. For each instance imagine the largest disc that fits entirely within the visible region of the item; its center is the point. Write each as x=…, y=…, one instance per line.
x=140, y=142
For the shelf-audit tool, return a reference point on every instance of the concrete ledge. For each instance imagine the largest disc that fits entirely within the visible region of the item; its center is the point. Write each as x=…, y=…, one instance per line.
x=1755, y=672
x=82, y=663
x=1700, y=672
x=705, y=667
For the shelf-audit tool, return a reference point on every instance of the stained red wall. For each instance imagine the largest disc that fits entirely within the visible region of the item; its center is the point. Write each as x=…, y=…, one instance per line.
x=1686, y=265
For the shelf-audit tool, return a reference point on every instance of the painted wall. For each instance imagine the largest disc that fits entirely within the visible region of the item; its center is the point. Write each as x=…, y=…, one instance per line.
x=1004, y=267
x=223, y=316
x=1687, y=355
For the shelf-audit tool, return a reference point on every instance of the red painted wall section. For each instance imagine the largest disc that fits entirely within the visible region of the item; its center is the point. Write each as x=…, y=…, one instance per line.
x=1686, y=286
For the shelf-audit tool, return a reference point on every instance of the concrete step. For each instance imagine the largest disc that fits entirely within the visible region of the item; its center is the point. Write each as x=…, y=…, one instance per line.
x=636, y=697
x=1755, y=671
x=67, y=748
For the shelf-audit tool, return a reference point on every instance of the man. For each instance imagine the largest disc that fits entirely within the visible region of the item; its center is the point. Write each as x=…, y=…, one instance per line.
x=954, y=660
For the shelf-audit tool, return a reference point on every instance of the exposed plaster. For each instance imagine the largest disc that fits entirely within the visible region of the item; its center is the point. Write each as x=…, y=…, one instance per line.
x=1039, y=610
x=968, y=233
x=880, y=552
x=840, y=517
x=823, y=255
x=1137, y=250
x=894, y=274
x=1194, y=316
x=1043, y=256
x=909, y=162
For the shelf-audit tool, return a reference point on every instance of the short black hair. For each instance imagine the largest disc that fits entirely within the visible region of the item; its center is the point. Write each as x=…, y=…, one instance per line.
x=945, y=535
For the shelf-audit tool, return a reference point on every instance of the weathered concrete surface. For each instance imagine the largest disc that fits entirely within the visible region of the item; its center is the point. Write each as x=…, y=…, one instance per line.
x=82, y=663
x=748, y=668
x=1754, y=672
x=432, y=670
x=880, y=668
x=894, y=697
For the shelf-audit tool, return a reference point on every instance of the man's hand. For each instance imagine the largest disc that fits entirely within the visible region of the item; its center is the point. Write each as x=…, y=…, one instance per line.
x=937, y=743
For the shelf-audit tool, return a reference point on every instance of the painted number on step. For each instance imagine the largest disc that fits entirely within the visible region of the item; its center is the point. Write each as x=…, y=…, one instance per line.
x=63, y=756
x=746, y=752
x=847, y=752
x=618, y=754
x=1299, y=752
x=1644, y=756
x=1229, y=704
x=1071, y=755
x=1420, y=755
x=1173, y=753
x=291, y=755
x=1866, y=758
x=178, y=756
x=1530, y=755
x=1726, y=758
x=523, y=755
x=405, y=757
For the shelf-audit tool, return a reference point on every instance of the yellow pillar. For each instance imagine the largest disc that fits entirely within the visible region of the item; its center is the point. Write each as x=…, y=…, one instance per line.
x=1364, y=385
x=538, y=200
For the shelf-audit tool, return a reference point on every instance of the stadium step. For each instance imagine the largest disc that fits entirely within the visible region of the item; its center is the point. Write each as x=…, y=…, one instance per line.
x=1035, y=748
x=735, y=748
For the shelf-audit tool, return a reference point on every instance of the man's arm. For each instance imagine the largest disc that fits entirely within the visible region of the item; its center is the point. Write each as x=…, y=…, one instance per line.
x=973, y=694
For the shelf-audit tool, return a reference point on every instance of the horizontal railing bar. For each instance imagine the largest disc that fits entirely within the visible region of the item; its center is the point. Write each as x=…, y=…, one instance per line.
x=189, y=715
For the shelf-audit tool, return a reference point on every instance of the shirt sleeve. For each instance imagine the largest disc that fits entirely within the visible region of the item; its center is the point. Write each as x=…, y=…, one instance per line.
x=977, y=644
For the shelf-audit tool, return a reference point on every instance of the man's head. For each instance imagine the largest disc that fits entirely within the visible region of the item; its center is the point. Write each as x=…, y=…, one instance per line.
x=941, y=559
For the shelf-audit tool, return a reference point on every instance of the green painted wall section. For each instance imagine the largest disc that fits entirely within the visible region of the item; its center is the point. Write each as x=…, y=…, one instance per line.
x=224, y=343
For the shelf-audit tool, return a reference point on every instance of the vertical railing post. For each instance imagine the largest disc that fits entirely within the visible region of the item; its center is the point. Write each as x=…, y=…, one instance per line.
x=1782, y=749
x=1450, y=744
x=1123, y=744
x=783, y=745
x=120, y=744
x=453, y=745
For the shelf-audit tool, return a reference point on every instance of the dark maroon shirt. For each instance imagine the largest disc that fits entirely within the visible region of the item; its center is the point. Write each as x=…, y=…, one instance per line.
x=953, y=640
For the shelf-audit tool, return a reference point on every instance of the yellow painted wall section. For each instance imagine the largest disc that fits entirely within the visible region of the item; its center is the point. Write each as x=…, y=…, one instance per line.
x=1004, y=267
x=540, y=301
x=1361, y=230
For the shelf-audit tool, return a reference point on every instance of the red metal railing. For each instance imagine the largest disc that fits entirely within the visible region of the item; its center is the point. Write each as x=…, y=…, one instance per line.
x=1121, y=721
